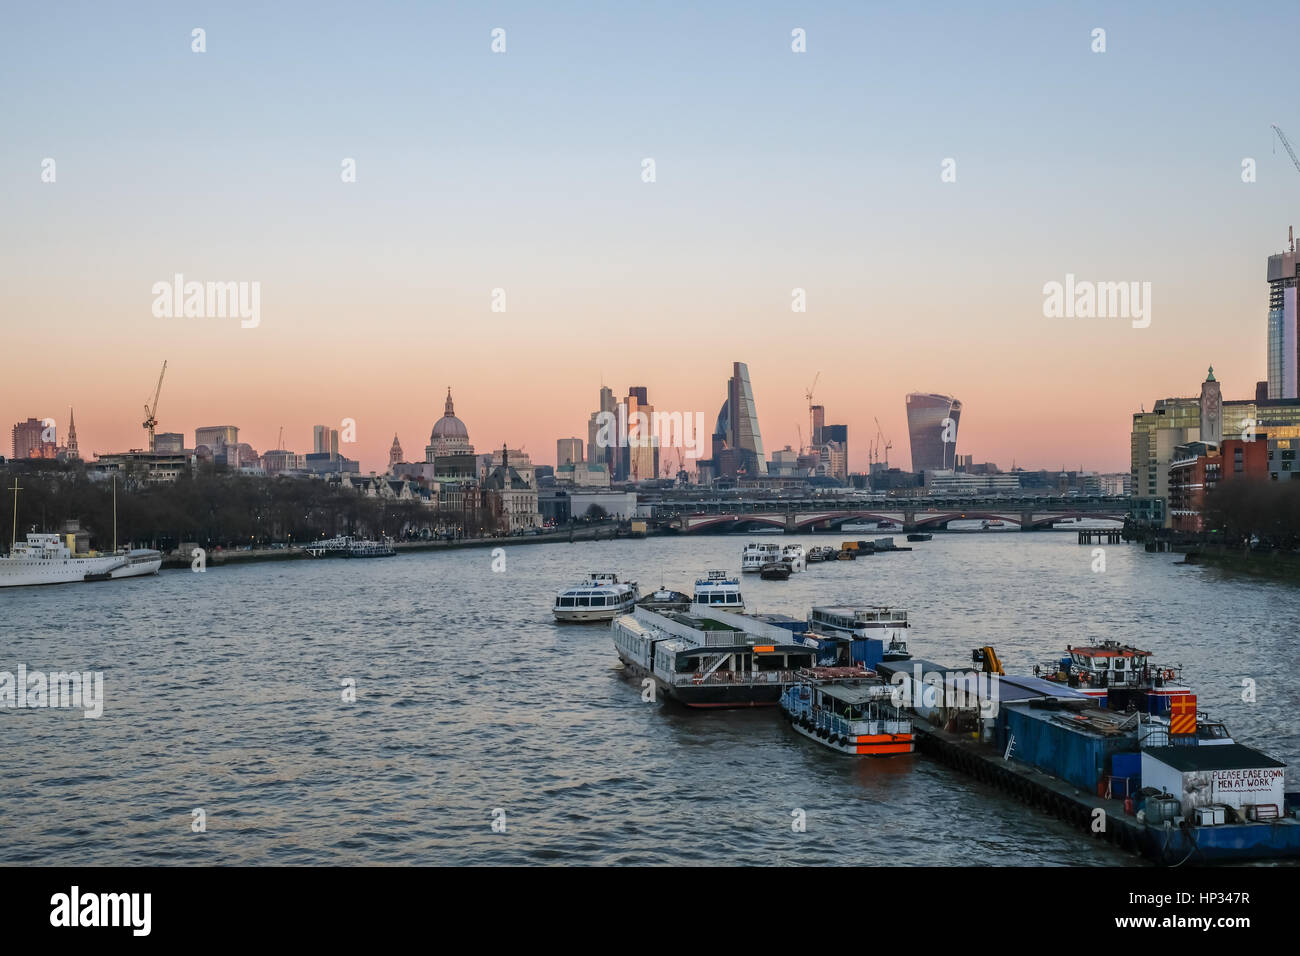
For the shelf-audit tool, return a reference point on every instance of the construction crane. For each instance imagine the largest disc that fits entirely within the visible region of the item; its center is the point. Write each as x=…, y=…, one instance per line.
x=812, y=430
x=151, y=411
x=1287, y=144
x=883, y=442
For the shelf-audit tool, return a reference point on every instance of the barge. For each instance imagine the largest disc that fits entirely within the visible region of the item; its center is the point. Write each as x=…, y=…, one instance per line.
x=1162, y=781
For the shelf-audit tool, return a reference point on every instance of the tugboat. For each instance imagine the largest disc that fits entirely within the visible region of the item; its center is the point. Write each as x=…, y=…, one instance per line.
x=1120, y=675
x=920, y=536
x=602, y=597
x=849, y=710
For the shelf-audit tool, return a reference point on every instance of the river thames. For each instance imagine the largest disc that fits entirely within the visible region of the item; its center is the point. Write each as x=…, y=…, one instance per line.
x=224, y=692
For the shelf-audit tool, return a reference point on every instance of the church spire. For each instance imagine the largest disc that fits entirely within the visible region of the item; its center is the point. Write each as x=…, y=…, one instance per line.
x=449, y=409
x=73, y=451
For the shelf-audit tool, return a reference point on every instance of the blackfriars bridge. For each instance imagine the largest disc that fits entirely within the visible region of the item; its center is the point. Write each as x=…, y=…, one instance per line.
x=905, y=515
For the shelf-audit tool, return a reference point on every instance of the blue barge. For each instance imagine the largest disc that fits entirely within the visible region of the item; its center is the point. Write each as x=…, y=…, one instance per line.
x=1206, y=799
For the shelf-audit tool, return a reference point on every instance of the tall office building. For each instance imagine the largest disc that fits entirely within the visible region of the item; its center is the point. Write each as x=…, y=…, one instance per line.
x=737, y=441
x=641, y=456
x=932, y=430
x=568, y=451
x=1283, y=341
x=598, y=452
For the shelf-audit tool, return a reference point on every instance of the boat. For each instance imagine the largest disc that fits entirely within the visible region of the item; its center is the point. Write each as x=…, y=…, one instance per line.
x=601, y=597
x=1121, y=675
x=710, y=658
x=369, y=549
x=793, y=555
x=758, y=553
x=719, y=591
x=869, y=622
x=850, y=713
x=814, y=556
x=775, y=571
x=920, y=536
x=666, y=599
x=58, y=559
x=1175, y=787
x=992, y=524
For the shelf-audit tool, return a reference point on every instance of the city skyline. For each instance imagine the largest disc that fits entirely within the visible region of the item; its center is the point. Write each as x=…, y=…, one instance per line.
x=775, y=172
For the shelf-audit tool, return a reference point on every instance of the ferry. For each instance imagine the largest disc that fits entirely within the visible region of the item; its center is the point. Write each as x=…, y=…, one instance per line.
x=793, y=555
x=885, y=624
x=710, y=659
x=601, y=597
x=719, y=591
x=757, y=554
x=775, y=571
x=849, y=710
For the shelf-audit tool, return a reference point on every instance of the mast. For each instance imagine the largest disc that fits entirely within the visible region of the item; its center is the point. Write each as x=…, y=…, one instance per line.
x=115, y=514
x=14, y=538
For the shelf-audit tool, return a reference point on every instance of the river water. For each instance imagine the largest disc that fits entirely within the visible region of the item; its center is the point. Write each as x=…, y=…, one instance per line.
x=224, y=692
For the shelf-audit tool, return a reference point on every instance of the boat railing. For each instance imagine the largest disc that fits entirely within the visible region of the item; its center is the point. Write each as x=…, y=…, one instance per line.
x=735, y=677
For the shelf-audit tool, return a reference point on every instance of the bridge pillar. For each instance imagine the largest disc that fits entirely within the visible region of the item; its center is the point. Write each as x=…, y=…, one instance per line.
x=791, y=525
x=909, y=520
x=1026, y=521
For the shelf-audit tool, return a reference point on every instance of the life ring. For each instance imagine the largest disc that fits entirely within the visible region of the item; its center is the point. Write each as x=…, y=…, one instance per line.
x=1169, y=675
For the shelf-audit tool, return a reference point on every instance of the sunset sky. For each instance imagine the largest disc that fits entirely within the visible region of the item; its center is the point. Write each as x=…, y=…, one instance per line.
x=523, y=171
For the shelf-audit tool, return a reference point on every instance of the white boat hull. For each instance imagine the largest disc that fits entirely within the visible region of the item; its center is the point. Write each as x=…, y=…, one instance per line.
x=23, y=573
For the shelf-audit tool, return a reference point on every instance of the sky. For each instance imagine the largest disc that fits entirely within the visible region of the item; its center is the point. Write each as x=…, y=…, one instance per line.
x=523, y=171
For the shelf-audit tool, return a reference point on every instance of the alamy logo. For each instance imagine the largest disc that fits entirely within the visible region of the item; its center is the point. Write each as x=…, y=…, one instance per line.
x=620, y=429
x=103, y=909
x=58, y=689
x=1098, y=300
x=208, y=300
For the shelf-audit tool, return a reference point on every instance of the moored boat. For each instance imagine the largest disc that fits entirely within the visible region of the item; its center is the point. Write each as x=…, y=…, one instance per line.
x=885, y=624
x=718, y=591
x=758, y=553
x=794, y=556
x=666, y=599
x=920, y=536
x=775, y=571
x=710, y=659
x=601, y=597
x=848, y=710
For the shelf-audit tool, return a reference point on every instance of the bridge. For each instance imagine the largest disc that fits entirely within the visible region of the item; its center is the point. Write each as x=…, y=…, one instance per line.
x=905, y=515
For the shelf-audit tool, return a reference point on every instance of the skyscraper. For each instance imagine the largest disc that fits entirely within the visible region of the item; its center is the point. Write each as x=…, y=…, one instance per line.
x=737, y=442
x=599, y=452
x=932, y=430
x=1283, y=341
x=568, y=451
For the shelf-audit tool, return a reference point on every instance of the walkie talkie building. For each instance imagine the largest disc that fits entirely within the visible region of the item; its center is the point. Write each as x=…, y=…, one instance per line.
x=932, y=430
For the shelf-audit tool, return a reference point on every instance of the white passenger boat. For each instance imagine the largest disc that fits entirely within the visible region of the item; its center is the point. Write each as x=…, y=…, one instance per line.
x=54, y=559
x=46, y=559
x=601, y=597
x=719, y=592
x=793, y=555
x=885, y=624
x=759, y=553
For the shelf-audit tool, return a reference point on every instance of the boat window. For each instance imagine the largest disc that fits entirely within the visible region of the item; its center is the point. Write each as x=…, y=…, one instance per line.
x=1119, y=663
x=584, y=602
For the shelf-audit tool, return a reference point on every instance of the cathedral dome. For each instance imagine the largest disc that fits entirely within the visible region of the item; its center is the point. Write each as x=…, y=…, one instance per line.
x=449, y=426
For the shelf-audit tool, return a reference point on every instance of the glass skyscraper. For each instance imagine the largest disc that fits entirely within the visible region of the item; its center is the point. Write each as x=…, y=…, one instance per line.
x=931, y=419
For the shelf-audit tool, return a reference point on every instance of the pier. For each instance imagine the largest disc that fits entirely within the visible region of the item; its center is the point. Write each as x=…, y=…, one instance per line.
x=1101, y=536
